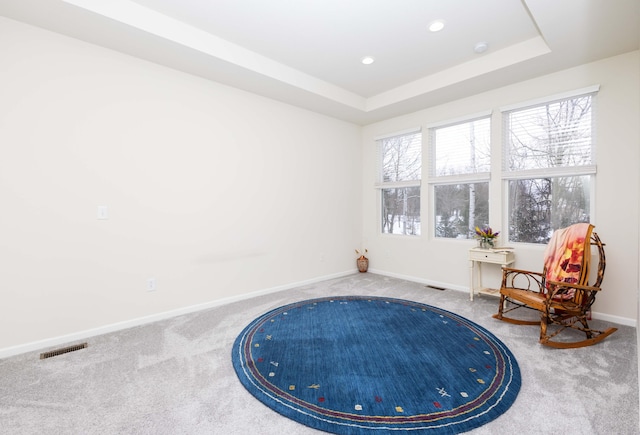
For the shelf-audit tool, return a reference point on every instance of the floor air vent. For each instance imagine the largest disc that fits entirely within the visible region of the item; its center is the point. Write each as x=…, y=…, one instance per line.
x=63, y=350
x=435, y=288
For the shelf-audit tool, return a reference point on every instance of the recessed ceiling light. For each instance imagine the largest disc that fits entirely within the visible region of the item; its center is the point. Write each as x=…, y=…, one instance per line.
x=436, y=26
x=481, y=47
x=368, y=60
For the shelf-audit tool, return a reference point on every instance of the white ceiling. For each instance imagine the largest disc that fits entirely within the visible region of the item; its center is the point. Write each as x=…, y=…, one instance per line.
x=308, y=52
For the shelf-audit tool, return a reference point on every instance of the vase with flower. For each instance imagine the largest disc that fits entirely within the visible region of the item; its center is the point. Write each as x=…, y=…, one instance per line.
x=486, y=237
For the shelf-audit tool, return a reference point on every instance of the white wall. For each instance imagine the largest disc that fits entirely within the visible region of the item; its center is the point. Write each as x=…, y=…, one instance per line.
x=444, y=262
x=212, y=191
x=218, y=193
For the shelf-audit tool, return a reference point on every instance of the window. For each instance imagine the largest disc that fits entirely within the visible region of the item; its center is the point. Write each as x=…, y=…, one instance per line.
x=459, y=174
x=400, y=172
x=549, y=165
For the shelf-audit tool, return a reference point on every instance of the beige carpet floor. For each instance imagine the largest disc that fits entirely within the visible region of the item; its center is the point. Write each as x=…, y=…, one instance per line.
x=175, y=376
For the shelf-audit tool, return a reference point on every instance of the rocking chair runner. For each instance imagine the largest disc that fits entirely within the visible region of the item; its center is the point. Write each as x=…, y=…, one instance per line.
x=561, y=293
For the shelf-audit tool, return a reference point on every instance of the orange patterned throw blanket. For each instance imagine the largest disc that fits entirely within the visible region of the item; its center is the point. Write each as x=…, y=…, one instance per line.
x=567, y=256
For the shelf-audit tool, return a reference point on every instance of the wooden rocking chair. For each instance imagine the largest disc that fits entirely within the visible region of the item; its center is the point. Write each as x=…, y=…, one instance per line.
x=561, y=292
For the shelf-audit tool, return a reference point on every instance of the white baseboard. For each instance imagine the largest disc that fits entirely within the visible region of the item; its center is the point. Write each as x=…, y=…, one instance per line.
x=614, y=319
x=421, y=280
x=83, y=335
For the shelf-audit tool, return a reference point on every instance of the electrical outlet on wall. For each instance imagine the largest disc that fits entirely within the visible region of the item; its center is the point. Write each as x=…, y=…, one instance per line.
x=151, y=284
x=103, y=212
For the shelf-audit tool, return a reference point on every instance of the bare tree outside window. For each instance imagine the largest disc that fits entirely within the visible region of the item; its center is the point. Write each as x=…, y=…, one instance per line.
x=401, y=158
x=458, y=206
x=401, y=171
x=461, y=164
x=554, y=139
x=401, y=211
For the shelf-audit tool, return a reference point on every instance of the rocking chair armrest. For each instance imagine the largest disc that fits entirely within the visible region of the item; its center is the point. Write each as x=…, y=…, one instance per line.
x=522, y=279
x=509, y=270
x=573, y=286
x=570, y=296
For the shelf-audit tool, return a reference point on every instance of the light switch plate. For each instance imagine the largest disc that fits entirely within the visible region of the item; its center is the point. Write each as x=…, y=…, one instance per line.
x=103, y=212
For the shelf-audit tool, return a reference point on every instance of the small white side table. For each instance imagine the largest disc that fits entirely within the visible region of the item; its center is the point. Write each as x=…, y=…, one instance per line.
x=477, y=256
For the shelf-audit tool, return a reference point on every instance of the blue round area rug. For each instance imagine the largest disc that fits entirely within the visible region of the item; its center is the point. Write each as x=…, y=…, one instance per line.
x=365, y=365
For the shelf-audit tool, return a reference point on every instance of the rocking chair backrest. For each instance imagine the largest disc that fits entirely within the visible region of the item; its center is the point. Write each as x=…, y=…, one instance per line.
x=602, y=261
x=568, y=257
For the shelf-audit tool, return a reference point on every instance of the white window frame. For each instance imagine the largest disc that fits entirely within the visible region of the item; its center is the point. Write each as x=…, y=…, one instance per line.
x=568, y=171
x=434, y=180
x=381, y=185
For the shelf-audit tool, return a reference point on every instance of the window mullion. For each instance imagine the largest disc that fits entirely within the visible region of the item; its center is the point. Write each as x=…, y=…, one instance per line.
x=550, y=172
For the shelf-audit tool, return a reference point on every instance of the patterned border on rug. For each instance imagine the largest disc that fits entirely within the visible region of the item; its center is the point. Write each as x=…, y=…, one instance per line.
x=363, y=365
